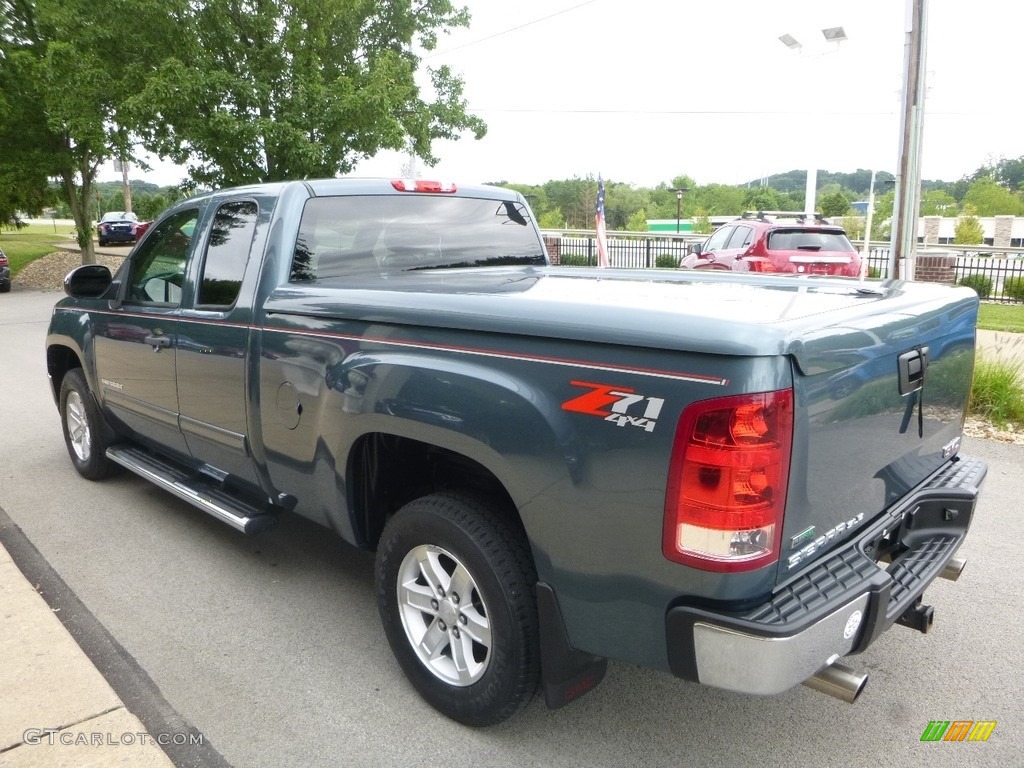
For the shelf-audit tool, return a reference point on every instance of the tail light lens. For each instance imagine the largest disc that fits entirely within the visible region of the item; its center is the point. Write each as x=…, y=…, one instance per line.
x=421, y=185
x=727, y=482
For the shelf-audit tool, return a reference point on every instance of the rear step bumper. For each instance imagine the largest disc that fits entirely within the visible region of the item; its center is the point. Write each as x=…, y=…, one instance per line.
x=840, y=603
x=193, y=489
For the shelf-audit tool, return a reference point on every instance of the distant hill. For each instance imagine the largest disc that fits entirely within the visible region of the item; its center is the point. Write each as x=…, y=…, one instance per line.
x=859, y=181
x=138, y=187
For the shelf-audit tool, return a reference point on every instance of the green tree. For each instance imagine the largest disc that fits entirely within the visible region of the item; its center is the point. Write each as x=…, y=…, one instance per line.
x=552, y=219
x=65, y=79
x=701, y=223
x=576, y=199
x=968, y=229
x=637, y=222
x=937, y=202
x=720, y=199
x=833, y=204
x=765, y=199
x=988, y=198
x=284, y=89
x=854, y=226
x=881, y=222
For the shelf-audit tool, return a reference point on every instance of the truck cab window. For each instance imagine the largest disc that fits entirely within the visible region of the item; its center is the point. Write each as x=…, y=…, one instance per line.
x=227, y=253
x=157, y=270
x=375, y=236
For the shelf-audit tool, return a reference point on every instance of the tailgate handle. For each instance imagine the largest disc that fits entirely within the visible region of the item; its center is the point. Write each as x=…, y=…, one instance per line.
x=913, y=366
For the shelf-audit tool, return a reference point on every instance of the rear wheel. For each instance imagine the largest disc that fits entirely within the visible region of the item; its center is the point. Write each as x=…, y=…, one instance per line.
x=85, y=433
x=455, y=589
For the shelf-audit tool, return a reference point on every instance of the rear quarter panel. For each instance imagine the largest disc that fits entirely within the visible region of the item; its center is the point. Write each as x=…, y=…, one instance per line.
x=589, y=485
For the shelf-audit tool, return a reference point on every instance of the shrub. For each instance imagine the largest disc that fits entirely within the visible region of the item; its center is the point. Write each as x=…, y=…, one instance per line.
x=573, y=260
x=1014, y=288
x=997, y=393
x=666, y=261
x=981, y=284
x=874, y=273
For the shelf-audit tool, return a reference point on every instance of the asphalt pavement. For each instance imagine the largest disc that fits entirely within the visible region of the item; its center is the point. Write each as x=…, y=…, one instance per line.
x=125, y=612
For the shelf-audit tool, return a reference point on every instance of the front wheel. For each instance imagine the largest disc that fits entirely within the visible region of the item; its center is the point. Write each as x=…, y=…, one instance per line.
x=85, y=433
x=455, y=589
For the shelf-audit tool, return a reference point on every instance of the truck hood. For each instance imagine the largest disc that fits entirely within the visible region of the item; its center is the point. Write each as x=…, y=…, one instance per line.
x=808, y=318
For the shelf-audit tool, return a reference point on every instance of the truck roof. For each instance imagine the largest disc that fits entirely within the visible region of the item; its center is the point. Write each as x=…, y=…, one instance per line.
x=351, y=185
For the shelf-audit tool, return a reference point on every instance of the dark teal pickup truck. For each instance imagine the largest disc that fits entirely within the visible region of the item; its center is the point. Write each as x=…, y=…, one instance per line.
x=735, y=478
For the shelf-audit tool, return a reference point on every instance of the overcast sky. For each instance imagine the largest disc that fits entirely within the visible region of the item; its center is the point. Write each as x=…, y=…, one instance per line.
x=646, y=90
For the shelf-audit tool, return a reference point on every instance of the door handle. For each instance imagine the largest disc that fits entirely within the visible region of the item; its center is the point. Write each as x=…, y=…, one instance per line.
x=157, y=342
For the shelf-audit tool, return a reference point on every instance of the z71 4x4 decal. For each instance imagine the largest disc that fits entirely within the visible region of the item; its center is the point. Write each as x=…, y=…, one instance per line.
x=619, y=405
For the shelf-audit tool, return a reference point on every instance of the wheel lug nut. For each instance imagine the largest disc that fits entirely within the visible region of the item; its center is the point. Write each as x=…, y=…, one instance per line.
x=442, y=626
x=455, y=597
x=434, y=604
x=463, y=619
x=440, y=591
x=455, y=632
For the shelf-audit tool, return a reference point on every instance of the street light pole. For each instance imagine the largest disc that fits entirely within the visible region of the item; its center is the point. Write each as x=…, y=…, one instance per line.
x=679, y=205
x=866, y=250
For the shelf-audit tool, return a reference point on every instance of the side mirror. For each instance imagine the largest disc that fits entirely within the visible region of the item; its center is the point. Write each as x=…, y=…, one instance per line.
x=696, y=249
x=90, y=281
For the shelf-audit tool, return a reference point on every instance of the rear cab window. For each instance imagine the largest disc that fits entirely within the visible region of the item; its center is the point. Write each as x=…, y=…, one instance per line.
x=371, y=237
x=227, y=253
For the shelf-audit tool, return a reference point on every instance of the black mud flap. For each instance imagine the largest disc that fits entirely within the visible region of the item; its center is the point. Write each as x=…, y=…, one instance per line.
x=566, y=673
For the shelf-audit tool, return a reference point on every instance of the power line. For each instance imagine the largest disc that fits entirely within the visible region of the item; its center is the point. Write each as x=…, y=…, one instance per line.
x=509, y=30
x=710, y=112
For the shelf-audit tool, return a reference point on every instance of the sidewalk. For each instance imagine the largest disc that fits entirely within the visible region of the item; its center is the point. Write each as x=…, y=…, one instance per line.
x=56, y=709
x=1001, y=346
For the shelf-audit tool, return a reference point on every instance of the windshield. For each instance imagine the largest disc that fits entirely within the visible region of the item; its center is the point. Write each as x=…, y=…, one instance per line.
x=378, y=235
x=808, y=240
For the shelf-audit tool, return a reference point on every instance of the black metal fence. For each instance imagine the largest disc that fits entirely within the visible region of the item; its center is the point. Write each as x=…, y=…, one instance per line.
x=630, y=252
x=996, y=277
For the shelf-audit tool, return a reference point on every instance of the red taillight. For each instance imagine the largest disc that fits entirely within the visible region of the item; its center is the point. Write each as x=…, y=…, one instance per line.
x=727, y=482
x=421, y=185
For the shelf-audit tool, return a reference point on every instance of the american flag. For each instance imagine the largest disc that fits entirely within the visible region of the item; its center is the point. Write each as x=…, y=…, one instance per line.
x=602, y=234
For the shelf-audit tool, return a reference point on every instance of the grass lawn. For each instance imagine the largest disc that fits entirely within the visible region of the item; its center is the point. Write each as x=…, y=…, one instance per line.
x=1002, y=317
x=24, y=247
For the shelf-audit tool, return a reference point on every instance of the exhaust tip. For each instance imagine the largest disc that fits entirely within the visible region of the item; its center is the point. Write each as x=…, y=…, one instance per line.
x=953, y=568
x=839, y=681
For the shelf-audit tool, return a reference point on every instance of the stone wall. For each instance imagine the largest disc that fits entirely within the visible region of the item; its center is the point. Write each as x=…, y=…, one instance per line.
x=931, y=229
x=1003, y=231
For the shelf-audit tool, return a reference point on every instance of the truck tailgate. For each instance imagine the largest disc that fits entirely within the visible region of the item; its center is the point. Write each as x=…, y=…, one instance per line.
x=881, y=405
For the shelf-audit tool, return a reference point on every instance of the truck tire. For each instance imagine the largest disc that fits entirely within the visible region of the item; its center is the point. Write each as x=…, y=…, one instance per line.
x=85, y=433
x=455, y=589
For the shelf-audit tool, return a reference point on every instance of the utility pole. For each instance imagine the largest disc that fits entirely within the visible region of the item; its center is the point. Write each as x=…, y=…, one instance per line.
x=906, y=207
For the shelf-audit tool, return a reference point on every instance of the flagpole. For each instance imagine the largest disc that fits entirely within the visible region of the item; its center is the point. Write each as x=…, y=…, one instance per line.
x=599, y=226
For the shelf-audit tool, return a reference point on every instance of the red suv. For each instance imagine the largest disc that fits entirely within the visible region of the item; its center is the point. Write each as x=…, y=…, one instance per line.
x=777, y=241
